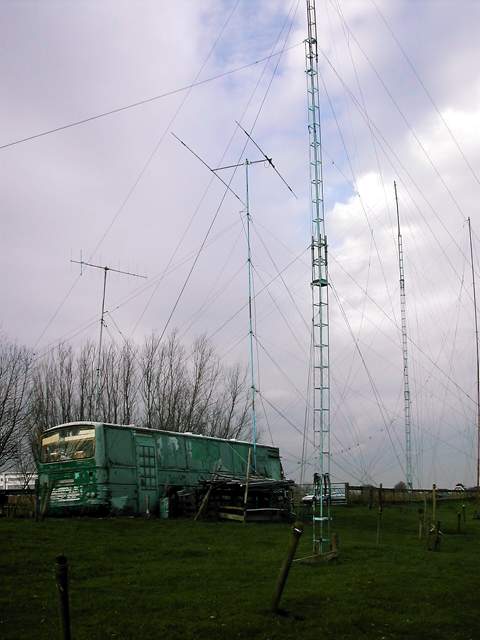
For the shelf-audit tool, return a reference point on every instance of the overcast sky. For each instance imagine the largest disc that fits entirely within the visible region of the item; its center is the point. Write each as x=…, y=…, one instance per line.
x=400, y=101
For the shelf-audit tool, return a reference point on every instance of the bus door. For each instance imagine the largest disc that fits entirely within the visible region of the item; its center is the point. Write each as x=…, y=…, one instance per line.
x=146, y=473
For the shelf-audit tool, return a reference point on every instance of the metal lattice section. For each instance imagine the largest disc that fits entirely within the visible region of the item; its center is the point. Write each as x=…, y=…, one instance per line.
x=319, y=288
x=406, y=385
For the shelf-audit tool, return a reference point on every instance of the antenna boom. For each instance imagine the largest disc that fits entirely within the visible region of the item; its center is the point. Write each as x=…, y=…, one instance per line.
x=105, y=268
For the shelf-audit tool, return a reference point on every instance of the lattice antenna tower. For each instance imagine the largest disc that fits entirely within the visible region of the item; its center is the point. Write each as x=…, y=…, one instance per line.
x=106, y=269
x=319, y=290
x=407, y=406
x=251, y=336
x=477, y=354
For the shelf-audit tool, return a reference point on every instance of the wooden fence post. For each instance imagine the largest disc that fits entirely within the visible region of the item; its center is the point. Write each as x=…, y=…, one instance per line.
x=61, y=578
x=380, y=511
x=434, y=537
x=297, y=531
x=334, y=545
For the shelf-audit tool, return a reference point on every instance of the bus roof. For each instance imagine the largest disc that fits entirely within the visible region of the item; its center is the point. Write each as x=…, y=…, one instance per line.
x=150, y=430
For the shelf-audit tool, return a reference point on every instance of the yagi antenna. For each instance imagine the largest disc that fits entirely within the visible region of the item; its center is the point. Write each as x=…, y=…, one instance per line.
x=268, y=159
x=208, y=167
x=106, y=269
x=246, y=163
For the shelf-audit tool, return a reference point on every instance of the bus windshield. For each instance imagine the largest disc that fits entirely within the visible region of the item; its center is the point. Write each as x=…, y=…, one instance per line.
x=71, y=443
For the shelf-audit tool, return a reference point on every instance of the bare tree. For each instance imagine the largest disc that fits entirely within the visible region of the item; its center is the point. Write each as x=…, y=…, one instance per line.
x=129, y=382
x=181, y=392
x=64, y=382
x=148, y=379
x=169, y=385
x=15, y=364
x=109, y=385
x=202, y=386
x=86, y=379
x=161, y=385
x=43, y=402
x=44, y=398
x=230, y=415
x=23, y=458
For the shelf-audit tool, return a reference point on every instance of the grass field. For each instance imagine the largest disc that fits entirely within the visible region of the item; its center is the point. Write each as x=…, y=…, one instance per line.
x=132, y=578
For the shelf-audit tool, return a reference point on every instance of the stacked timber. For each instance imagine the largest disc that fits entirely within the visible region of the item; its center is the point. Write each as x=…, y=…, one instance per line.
x=253, y=499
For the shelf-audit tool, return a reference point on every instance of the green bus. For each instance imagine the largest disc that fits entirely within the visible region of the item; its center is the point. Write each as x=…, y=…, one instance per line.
x=90, y=467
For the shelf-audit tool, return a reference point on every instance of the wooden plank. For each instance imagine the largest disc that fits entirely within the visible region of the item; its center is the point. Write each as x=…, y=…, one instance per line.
x=204, y=502
x=231, y=516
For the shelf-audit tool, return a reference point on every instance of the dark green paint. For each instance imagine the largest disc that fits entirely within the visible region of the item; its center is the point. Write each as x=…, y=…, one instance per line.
x=133, y=468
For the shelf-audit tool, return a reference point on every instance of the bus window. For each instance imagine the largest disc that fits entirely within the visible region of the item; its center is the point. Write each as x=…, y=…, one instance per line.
x=72, y=443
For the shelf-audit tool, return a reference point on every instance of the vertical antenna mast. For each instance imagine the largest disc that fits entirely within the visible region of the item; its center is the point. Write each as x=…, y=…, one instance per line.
x=478, y=361
x=319, y=289
x=406, y=386
x=246, y=163
x=82, y=263
x=102, y=324
x=250, y=318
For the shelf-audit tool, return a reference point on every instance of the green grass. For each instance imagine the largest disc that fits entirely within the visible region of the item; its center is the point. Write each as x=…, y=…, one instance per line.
x=132, y=578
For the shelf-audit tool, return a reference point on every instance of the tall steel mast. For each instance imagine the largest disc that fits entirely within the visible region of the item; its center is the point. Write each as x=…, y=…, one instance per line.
x=253, y=386
x=406, y=386
x=478, y=359
x=319, y=290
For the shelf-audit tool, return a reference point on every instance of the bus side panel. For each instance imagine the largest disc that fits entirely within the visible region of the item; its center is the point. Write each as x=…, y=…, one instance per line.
x=171, y=462
x=213, y=457
x=205, y=456
x=267, y=459
x=147, y=473
x=272, y=463
x=196, y=453
x=171, y=451
x=225, y=461
x=121, y=481
x=263, y=466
